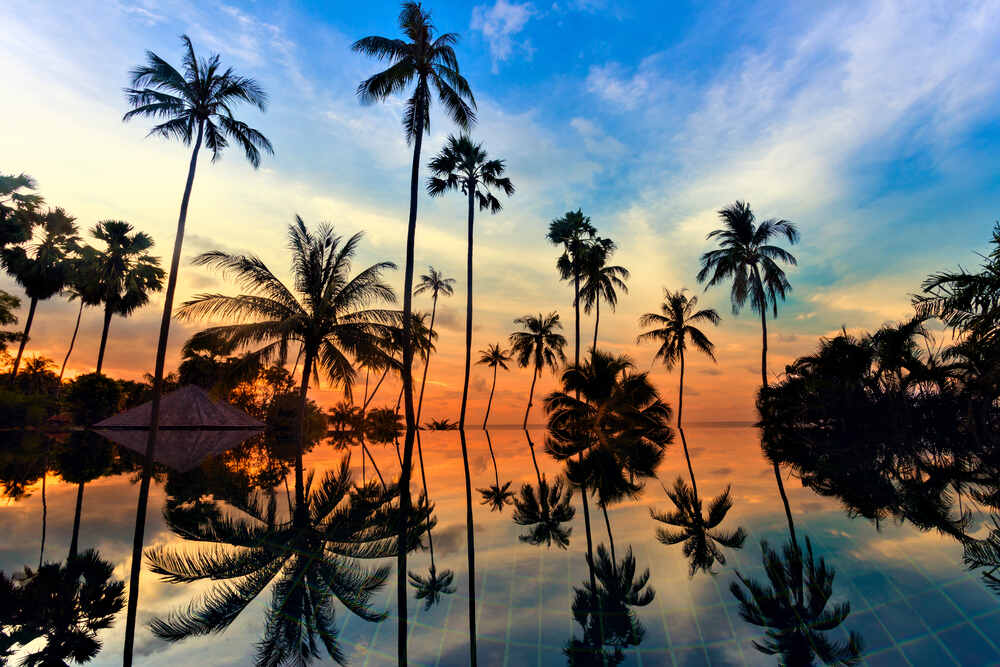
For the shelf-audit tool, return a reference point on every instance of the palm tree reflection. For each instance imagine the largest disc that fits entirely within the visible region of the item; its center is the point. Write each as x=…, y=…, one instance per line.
x=497, y=495
x=545, y=509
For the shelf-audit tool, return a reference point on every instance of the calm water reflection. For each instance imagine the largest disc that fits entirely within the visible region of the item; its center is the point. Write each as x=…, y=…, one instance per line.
x=666, y=592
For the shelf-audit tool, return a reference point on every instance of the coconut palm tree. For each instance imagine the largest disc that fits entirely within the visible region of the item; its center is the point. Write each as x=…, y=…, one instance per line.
x=128, y=274
x=19, y=209
x=576, y=235
x=312, y=559
x=8, y=305
x=427, y=61
x=40, y=266
x=546, y=509
x=436, y=284
x=434, y=585
x=539, y=345
x=600, y=281
x=746, y=256
x=497, y=495
x=464, y=165
x=194, y=105
x=698, y=533
x=495, y=357
x=675, y=324
x=333, y=315
x=83, y=286
x=85, y=457
x=793, y=609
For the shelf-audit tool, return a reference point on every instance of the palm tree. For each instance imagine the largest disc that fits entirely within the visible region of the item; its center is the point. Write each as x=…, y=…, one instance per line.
x=470, y=551
x=311, y=558
x=83, y=286
x=429, y=62
x=127, y=273
x=331, y=316
x=576, y=235
x=675, y=325
x=747, y=258
x=8, y=305
x=495, y=357
x=601, y=282
x=435, y=584
x=498, y=495
x=539, y=345
x=794, y=608
x=698, y=533
x=18, y=208
x=464, y=165
x=86, y=457
x=544, y=510
x=193, y=106
x=40, y=266
x=435, y=283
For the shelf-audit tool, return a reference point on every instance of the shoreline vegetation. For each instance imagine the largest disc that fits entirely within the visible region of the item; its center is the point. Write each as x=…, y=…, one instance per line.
x=267, y=341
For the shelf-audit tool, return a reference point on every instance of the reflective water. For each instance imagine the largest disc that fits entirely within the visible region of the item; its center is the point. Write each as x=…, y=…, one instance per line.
x=911, y=598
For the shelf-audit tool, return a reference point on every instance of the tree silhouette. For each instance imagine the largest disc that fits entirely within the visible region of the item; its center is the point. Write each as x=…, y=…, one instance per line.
x=575, y=234
x=435, y=283
x=600, y=281
x=544, y=509
x=494, y=357
x=539, y=345
x=497, y=495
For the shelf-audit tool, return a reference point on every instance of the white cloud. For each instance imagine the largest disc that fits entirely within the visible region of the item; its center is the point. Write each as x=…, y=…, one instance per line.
x=595, y=141
x=499, y=24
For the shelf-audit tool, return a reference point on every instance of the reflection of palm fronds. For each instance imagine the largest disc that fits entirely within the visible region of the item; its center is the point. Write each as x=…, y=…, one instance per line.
x=545, y=510
x=433, y=586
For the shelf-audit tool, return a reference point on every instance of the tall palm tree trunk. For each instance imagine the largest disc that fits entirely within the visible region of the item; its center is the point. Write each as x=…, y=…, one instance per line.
x=75, y=540
x=427, y=362
x=611, y=536
x=597, y=321
x=576, y=310
x=534, y=461
x=496, y=470
x=24, y=339
x=72, y=342
x=300, y=445
x=489, y=403
x=471, y=549
x=680, y=428
x=590, y=538
x=531, y=395
x=471, y=185
x=405, y=501
x=45, y=515
x=154, y=419
x=104, y=340
x=763, y=347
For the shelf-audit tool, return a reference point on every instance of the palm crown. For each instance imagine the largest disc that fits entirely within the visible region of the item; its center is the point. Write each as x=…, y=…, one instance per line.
x=428, y=59
x=601, y=281
x=39, y=265
x=328, y=311
x=494, y=356
x=197, y=102
x=464, y=165
x=699, y=533
x=545, y=510
x=746, y=256
x=574, y=232
x=128, y=273
x=435, y=283
x=675, y=325
x=540, y=345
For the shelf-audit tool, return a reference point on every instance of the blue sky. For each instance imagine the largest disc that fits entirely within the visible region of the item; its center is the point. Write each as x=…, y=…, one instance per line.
x=870, y=125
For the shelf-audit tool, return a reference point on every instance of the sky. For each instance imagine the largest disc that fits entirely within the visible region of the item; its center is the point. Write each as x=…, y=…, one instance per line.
x=871, y=125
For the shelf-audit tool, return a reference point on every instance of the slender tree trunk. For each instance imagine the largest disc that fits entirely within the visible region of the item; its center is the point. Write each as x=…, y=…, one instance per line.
x=471, y=185
x=576, y=310
x=24, y=339
x=680, y=428
x=763, y=347
x=423, y=478
x=489, y=403
x=534, y=461
x=405, y=501
x=45, y=515
x=427, y=362
x=590, y=538
x=154, y=420
x=611, y=536
x=597, y=322
x=365, y=450
x=300, y=444
x=104, y=340
x=496, y=471
x=75, y=540
x=531, y=395
x=72, y=342
x=378, y=384
x=471, y=548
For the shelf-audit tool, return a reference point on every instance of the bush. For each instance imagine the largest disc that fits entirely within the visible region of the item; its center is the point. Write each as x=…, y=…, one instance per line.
x=17, y=409
x=93, y=397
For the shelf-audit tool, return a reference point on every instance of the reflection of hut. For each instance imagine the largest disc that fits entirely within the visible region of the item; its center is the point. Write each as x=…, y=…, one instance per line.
x=193, y=427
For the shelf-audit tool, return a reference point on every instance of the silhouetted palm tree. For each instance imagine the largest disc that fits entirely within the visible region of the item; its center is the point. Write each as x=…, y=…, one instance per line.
x=544, y=509
x=495, y=357
x=19, y=209
x=434, y=585
x=68, y=604
x=794, y=608
x=435, y=283
x=39, y=265
x=126, y=271
x=539, y=346
x=698, y=533
x=83, y=286
x=85, y=457
x=470, y=545
x=441, y=424
x=601, y=282
x=8, y=305
x=311, y=558
x=430, y=64
x=194, y=106
x=746, y=256
x=674, y=327
x=575, y=234
x=464, y=165
x=498, y=495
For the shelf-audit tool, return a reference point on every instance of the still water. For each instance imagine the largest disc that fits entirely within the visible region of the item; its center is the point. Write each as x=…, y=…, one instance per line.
x=911, y=599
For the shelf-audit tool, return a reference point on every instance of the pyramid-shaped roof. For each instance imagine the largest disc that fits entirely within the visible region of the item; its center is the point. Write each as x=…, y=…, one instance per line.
x=193, y=426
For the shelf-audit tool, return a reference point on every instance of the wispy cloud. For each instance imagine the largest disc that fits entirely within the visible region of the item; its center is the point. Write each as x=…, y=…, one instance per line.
x=500, y=24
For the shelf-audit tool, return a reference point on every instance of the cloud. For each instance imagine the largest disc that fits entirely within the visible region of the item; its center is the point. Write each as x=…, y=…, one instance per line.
x=499, y=24
x=595, y=141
